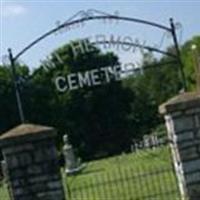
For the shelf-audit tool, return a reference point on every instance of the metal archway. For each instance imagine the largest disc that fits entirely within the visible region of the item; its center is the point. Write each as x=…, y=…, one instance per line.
x=89, y=16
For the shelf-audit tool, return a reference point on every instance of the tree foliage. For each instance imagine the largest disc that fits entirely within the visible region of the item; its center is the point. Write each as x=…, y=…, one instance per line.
x=100, y=120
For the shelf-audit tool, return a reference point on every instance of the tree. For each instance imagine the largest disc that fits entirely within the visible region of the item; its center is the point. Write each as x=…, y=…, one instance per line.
x=8, y=105
x=95, y=118
x=100, y=120
x=187, y=57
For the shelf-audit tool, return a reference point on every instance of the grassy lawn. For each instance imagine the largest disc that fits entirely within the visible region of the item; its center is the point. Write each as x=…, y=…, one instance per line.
x=3, y=192
x=147, y=175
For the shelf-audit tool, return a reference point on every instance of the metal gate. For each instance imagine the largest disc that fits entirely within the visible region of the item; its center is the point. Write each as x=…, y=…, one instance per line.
x=147, y=173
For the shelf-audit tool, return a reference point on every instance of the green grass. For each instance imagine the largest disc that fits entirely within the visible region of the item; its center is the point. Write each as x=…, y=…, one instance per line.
x=4, y=192
x=147, y=175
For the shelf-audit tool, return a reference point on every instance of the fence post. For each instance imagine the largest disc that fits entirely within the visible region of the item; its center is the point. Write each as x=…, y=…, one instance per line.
x=32, y=163
x=182, y=116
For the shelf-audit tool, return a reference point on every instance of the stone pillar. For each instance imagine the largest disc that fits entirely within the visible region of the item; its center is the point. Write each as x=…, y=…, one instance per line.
x=182, y=115
x=32, y=163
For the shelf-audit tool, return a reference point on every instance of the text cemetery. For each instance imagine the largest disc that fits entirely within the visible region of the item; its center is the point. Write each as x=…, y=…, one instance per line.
x=88, y=78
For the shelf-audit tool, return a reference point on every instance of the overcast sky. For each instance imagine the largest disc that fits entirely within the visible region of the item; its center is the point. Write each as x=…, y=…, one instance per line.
x=23, y=21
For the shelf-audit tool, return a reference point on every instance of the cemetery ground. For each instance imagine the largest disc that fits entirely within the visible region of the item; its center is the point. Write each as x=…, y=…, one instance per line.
x=147, y=174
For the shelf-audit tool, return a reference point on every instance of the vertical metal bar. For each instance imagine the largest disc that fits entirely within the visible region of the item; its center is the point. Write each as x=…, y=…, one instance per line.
x=95, y=189
x=111, y=192
x=155, y=187
x=105, y=186
x=140, y=182
x=128, y=183
x=177, y=48
x=17, y=93
x=100, y=188
x=80, y=195
x=135, y=191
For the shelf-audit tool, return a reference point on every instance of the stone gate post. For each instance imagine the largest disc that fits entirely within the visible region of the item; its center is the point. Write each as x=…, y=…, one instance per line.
x=182, y=116
x=32, y=163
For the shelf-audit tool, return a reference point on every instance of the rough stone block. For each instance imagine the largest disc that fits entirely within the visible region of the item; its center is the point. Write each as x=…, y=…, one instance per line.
x=55, y=185
x=191, y=166
x=185, y=136
x=188, y=144
x=198, y=134
x=12, y=162
x=183, y=124
x=34, y=169
x=194, y=191
x=193, y=111
x=44, y=178
x=25, y=159
x=19, y=148
x=197, y=121
x=192, y=178
x=17, y=173
x=188, y=154
x=18, y=191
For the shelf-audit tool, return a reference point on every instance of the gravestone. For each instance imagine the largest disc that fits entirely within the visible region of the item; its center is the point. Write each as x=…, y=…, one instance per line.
x=3, y=169
x=69, y=156
x=72, y=164
x=31, y=160
x=182, y=116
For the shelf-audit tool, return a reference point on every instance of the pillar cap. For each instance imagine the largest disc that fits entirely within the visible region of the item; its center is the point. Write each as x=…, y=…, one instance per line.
x=181, y=102
x=26, y=131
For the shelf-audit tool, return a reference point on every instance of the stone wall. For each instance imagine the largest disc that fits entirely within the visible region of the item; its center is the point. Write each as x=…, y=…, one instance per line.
x=32, y=163
x=182, y=115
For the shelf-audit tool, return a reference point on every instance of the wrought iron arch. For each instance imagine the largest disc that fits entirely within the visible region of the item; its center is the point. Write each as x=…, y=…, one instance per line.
x=89, y=15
